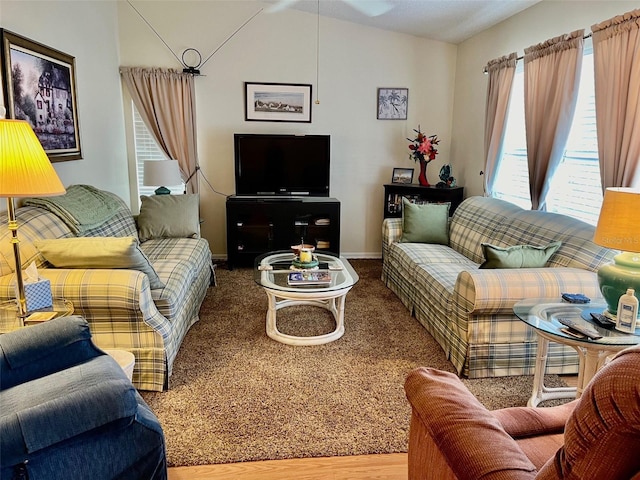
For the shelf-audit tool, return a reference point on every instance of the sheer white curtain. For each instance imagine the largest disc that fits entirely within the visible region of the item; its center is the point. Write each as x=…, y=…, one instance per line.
x=165, y=99
x=616, y=52
x=551, y=80
x=501, y=72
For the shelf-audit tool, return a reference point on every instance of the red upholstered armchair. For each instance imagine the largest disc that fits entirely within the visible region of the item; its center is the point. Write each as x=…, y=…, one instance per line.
x=453, y=436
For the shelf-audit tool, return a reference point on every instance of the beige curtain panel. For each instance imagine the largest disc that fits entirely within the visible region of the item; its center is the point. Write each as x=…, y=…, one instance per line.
x=165, y=99
x=616, y=55
x=501, y=72
x=551, y=80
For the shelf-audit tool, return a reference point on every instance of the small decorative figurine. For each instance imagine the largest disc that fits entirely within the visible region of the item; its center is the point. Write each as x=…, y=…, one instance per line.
x=446, y=180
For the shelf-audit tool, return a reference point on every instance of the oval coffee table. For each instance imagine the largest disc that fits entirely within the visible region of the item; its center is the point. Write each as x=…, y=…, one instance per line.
x=272, y=272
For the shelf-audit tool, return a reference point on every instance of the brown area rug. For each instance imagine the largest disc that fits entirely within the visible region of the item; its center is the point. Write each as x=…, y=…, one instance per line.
x=236, y=395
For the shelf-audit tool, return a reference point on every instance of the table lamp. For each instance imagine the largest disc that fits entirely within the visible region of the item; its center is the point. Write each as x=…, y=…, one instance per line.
x=619, y=228
x=25, y=171
x=161, y=172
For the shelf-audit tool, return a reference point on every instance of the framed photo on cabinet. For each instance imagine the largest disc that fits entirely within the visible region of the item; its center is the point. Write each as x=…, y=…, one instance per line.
x=402, y=175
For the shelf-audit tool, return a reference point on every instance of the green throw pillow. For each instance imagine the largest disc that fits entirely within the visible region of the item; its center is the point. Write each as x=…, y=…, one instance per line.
x=518, y=256
x=98, y=252
x=169, y=216
x=428, y=223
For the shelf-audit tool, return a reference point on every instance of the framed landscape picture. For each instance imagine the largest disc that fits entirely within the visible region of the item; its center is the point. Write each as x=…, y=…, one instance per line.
x=39, y=86
x=392, y=103
x=402, y=175
x=277, y=102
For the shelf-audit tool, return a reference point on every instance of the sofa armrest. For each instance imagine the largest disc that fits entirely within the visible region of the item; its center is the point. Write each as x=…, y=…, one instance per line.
x=498, y=290
x=33, y=352
x=521, y=422
x=391, y=230
x=455, y=420
x=103, y=295
x=80, y=410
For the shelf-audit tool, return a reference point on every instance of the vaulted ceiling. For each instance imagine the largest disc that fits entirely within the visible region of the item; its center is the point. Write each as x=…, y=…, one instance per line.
x=450, y=21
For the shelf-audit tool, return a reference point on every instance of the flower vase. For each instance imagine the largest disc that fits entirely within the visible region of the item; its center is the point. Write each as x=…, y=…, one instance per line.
x=422, y=178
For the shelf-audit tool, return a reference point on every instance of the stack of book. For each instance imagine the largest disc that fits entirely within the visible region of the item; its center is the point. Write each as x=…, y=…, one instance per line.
x=309, y=278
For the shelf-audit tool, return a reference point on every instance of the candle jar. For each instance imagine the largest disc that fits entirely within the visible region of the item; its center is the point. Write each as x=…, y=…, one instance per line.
x=305, y=255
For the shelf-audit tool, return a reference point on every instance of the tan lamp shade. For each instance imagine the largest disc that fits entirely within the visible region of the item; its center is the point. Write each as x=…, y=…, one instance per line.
x=25, y=169
x=619, y=222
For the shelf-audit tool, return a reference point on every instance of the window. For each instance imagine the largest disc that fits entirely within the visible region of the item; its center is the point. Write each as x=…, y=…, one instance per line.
x=147, y=149
x=575, y=189
x=512, y=177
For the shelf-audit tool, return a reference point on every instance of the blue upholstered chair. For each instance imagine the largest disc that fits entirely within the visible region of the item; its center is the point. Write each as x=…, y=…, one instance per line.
x=68, y=411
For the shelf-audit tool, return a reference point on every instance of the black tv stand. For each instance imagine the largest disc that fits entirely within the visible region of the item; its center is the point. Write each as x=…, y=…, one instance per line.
x=256, y=225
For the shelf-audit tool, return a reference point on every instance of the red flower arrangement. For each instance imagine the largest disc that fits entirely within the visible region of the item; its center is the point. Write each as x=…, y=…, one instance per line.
x=423, y=147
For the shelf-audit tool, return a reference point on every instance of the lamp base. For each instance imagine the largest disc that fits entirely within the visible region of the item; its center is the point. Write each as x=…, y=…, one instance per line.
x=166, y=191
x=615, y=278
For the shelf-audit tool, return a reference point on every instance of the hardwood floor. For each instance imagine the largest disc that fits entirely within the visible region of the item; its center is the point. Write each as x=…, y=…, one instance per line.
x=362, y=467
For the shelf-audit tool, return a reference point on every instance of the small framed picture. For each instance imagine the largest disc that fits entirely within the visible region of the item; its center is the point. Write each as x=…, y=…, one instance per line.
x=392, y=103
x=402, y=175
x=277, y=102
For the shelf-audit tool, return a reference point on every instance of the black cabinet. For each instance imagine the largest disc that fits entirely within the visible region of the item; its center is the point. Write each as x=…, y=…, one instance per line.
x=393, y=193
x=256, y=225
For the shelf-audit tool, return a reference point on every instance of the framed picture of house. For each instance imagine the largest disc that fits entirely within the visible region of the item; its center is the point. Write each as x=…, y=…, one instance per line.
x=39, y=86
x=392, y=103
x=277, y=102
x=402, y=175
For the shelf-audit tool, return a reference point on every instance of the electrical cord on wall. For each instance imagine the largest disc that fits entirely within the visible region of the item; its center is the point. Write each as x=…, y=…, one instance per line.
x=198, y=169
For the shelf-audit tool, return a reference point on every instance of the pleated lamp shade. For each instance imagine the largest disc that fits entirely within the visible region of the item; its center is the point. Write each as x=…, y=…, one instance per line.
x=25, y=169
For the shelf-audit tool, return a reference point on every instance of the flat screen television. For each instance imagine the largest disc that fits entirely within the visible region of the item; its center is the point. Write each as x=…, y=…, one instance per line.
x=285, y=165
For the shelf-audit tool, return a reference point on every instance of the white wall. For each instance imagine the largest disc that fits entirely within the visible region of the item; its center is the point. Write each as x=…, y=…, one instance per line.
x=541, y=22
x=354, y=62
x=87, y=31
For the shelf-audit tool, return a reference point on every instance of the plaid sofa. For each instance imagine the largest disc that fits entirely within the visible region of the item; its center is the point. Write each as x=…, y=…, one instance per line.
x=468, y=310
x=122, y=310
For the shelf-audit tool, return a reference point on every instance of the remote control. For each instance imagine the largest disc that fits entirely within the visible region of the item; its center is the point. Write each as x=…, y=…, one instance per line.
x=575, y=298
x=573, y=333
x=602, y=320
x=590, y=332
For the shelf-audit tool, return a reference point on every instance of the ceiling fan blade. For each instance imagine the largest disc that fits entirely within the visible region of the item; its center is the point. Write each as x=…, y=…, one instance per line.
x=279, y=6
x=371, y=8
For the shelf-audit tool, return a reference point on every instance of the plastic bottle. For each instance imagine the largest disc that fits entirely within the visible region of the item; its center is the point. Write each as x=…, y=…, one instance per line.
x=627, y=312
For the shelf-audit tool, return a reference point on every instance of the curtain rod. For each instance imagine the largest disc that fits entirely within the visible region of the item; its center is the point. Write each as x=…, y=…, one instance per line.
x=484, y=69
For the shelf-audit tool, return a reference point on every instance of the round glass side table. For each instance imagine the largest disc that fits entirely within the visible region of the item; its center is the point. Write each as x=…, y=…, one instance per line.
x=542, y=315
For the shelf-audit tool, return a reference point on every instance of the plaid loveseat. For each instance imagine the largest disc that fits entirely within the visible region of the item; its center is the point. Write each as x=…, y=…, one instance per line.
x=468, y=310
x=122, y=310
